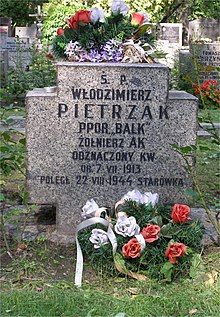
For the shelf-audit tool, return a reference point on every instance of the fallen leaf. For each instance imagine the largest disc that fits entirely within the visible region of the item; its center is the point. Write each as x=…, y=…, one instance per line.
x=211, y=278
x=39, y=289
x=133, y=290
x=21, y=247
x=193, y=311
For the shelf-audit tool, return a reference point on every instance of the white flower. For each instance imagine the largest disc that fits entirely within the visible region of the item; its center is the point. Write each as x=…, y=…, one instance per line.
x=127, y=226
x=119, y=6
x=91, y=209
x=97, y=15
x=98, y=238
x=146, y=17
x=135, y=195
x=149, y=197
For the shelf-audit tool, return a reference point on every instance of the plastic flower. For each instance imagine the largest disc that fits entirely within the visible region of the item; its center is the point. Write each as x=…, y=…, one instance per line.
x=81, y=17
x=91, y=209
x=132, y=249
x=119, y=7
x=60, y=31
x=127, y=226
x=180, y=213
x=150, y=233
x=138, y=18
x=135, y=195
x=174, y=251
x=97, y=14
x=98, y=238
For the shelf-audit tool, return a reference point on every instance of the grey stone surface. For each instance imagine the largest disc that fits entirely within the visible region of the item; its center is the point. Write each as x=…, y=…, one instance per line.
x=203, y=57
x=95, y=139
x=171, y=32
x=27, y=32
x=204, y=28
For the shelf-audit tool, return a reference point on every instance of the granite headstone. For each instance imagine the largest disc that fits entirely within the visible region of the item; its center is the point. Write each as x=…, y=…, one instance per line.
x=169, y=41
x=106, y=130
x=204, y=28
x=202, y=60
x=27, y=32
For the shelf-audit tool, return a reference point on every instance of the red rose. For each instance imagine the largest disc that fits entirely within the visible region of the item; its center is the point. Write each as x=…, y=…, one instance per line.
x=137, y=18
x=132, y=249
x=150, y=233
x=80, y=17
x=60, y=31
x=175, y=251
x=180, y=213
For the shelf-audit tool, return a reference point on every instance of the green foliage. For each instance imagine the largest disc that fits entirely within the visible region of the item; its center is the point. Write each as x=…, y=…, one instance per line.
x=205, y=8
x=40, y=73
x=19, y=10
x=95, y=35
x=12, y=148
x=56, y=14
x=152, y=262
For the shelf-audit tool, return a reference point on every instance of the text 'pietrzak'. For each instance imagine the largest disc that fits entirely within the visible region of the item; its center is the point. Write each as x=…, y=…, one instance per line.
x=128, y=110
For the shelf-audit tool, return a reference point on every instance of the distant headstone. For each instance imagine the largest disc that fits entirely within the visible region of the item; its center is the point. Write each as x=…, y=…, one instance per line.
x=169, y=40
x=18, y=51
x=201, y=60
x=171, y=32
x=29, y=32
x=204, y=28
x=5, y=26
x=107, y=130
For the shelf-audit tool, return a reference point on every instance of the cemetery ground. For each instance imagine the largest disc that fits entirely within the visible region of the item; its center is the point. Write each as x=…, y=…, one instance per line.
x=37, y=275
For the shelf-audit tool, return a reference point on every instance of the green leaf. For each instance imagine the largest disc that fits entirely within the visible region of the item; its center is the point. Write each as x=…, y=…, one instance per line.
x=192, y=193
x=197, y=266
x=169, y=230
x=157, y=220
x=22, y=141
x=165, y=230
x=2, y=197
x=167, y=270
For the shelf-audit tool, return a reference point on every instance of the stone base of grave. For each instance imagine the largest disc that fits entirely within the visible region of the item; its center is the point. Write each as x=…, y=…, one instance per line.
x=108, y=129
x=58, y=238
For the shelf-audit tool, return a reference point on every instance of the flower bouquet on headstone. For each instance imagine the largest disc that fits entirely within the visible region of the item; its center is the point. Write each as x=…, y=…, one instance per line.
x=139, y=238
x=92, y=36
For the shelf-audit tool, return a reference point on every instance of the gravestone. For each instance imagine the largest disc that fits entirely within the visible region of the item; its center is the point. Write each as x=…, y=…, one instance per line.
x=5, y=26
x=171, y=32
x=27, y=32
x=169, y=40
x=201, y=60
x=204, y=28
x=106, y=130
x=18, y=51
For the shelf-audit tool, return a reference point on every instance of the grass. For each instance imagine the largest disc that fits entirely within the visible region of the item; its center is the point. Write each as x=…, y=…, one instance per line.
x=214, y=114
x=108, y=297
x=39, y=281
x=208, y=170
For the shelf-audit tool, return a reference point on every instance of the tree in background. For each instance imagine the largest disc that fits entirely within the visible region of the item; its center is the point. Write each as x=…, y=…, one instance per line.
x=19, y=10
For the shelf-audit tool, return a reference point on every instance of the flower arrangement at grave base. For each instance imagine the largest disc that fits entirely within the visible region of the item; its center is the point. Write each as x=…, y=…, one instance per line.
x=208, y=92
x=90, y=36
x=142, y=239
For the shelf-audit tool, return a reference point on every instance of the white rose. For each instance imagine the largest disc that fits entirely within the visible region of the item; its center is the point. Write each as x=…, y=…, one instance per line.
x=98, y=238
x=135, y=195
x=91, y=209
x=149, y=197
x=119, y=6
x=97, y=15
x=146, y=17
x=127, y=226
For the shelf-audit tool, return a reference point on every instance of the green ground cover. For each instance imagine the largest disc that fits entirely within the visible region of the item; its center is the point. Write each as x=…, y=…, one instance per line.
x=214, y=114
x=39, y=282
